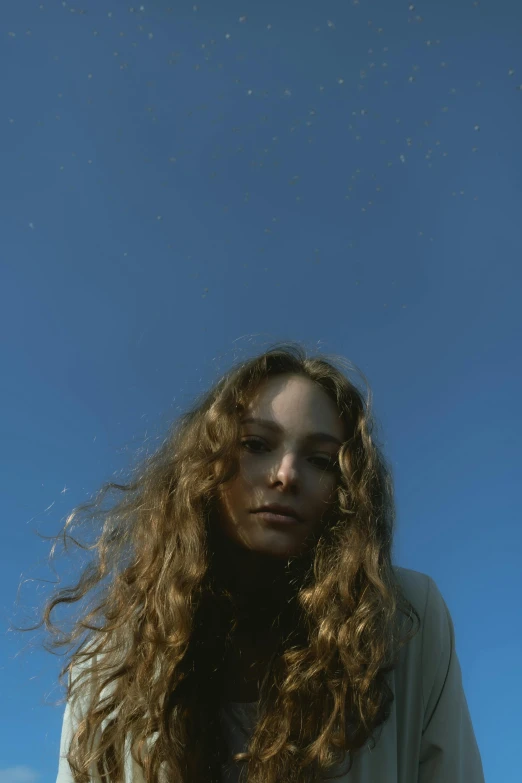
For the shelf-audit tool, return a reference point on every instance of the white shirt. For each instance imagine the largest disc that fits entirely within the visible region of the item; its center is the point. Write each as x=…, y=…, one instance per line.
x=428, y=737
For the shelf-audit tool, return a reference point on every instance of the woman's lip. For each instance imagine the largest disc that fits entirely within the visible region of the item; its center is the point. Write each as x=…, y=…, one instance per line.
x=282, y=519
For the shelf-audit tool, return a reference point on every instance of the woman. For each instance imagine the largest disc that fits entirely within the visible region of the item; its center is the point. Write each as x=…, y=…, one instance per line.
x=221, y=637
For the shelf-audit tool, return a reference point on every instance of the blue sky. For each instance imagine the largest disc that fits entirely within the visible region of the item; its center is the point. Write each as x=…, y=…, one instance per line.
x=184, y=184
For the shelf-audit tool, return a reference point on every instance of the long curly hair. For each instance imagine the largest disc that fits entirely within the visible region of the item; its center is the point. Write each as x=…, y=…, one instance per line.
x=151, y=641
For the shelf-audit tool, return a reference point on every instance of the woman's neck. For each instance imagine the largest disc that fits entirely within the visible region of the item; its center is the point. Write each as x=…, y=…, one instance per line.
x=255, y=579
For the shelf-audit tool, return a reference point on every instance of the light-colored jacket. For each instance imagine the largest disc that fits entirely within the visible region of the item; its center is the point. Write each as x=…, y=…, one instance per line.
x=428, y=737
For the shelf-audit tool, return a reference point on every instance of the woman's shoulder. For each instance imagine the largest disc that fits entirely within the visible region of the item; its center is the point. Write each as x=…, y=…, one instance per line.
x=416, y=587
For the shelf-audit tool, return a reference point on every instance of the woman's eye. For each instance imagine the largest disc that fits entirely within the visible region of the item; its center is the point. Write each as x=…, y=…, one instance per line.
x=248, y=441
x=324, y=462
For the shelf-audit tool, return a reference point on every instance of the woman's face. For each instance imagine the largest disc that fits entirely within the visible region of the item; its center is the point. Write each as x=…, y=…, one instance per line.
x=290, y=462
